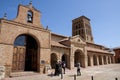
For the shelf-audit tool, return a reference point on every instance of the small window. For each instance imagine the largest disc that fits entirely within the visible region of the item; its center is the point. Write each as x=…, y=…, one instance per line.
x=29, y=17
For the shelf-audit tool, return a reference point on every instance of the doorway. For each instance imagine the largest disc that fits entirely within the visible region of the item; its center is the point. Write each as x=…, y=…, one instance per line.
x=25, y=56
x=53, y=60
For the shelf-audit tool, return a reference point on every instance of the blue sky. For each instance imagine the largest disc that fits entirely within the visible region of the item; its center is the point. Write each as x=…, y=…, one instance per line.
x=58, y=16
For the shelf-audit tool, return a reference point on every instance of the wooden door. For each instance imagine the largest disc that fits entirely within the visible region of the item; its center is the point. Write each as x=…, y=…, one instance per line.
x=31, y=60
x=18, y=63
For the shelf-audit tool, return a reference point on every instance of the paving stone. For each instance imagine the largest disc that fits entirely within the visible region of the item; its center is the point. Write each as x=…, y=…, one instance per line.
x=103, y=72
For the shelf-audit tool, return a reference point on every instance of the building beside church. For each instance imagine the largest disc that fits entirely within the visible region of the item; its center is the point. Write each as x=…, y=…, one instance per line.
x=117, y=54
x=25, y=45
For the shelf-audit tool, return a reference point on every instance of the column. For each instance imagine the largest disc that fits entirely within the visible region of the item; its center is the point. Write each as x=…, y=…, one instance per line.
x=72, y=61
x=97, y=60
x=106, y=59
x=85, y=57
x=102, y=60
x=85, y=61
x=72, y=57
x=91, y=60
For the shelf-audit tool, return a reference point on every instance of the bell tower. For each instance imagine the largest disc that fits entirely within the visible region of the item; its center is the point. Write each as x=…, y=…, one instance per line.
x=28, y=15
x=81, y=26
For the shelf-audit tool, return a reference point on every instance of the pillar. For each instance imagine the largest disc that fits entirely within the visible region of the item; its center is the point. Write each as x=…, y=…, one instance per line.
x=97, y=60
x=102, y=60
x=71, y=57
x=106, y=59
x=85, y=61
x=85, y=57
x=91, y=60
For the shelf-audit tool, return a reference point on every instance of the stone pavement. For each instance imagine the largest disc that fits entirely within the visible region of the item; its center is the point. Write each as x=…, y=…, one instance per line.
x=102, y=72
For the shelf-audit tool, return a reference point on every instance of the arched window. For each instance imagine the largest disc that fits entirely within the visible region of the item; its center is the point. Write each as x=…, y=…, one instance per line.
x=30, y=16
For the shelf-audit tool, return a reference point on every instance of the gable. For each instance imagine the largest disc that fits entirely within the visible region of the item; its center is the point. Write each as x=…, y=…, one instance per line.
x=78, y=39
x=28, y=15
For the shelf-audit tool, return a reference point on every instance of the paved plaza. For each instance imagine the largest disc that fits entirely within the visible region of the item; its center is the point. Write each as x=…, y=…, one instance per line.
x=103, y=72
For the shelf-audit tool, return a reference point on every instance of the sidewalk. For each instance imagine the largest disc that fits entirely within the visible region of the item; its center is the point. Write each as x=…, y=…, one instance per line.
x=103, y=72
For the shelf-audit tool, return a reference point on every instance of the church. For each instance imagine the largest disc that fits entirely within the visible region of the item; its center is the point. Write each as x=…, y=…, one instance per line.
x=25, y=45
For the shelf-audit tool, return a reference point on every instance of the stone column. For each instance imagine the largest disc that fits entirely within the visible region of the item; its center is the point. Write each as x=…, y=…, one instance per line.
x=97, y=60
x=72, y=57
x=85, y=57
x=71, y=61
x=85, y=61
x=106, y=59
x=91, y=60
x=102, y=60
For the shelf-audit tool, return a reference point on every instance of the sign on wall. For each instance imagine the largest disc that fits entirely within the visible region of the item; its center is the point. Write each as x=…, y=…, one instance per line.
x=2, y=72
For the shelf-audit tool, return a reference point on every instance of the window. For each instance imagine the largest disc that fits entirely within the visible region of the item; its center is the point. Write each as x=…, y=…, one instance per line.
x=76, y=27
x=29, y=17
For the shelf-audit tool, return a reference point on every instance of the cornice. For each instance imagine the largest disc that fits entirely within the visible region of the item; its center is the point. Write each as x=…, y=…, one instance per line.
x=24, y=25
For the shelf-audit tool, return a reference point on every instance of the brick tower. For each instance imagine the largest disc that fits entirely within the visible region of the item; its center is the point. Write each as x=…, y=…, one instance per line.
x=81, y=26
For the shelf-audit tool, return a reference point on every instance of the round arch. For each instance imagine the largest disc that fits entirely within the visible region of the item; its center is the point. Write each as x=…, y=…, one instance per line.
x=53, y=60
x=78, y=58
x=27, y=54
x=65, y=59
x=32, y=35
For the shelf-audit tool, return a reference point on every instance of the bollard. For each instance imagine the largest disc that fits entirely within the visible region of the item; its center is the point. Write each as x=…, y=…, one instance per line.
x=74, y=77
x=61, y=76
x=52, y=74
x=91, y=77
x=116, y=78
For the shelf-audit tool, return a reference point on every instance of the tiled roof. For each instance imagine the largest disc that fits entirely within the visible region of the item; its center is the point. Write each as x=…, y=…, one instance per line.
x=54, y=43
x=98, y=50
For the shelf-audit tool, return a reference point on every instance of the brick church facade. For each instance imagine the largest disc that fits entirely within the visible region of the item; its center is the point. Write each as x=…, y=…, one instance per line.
x=25, y=45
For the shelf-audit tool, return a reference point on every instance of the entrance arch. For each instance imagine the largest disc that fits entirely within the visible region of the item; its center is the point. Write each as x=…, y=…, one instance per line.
x=25, y=55
x=78, y=58
x=53, y=60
